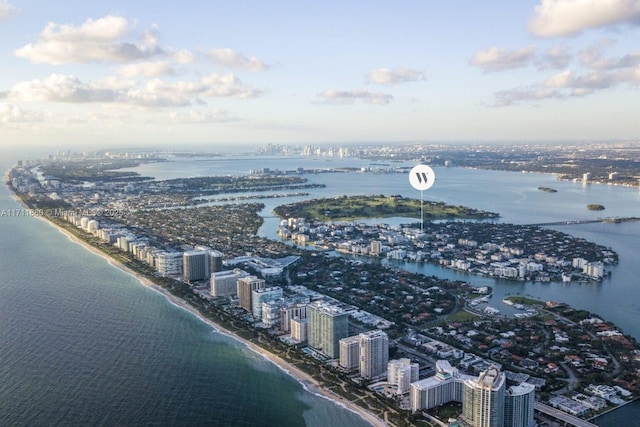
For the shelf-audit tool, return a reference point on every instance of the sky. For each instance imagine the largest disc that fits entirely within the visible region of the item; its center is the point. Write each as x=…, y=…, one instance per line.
x=307, y=72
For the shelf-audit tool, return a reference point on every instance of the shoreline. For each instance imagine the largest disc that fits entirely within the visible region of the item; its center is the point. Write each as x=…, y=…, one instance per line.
x=612, y=410
x=308, y=383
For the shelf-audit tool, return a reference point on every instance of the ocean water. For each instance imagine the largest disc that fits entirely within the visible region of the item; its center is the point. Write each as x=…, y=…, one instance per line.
x=83, y=343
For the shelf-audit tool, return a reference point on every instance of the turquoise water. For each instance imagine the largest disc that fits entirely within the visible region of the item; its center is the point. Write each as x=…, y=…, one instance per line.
x=83, y=343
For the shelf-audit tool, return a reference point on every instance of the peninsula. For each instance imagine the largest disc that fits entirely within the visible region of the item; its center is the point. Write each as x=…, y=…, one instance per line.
x=560, y=351
x=507, y=251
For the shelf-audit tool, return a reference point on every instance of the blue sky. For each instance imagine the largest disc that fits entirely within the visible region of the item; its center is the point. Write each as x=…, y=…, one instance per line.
x=299, y=72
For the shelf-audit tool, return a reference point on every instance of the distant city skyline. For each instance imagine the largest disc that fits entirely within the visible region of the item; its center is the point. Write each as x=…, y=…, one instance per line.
x=220, y=73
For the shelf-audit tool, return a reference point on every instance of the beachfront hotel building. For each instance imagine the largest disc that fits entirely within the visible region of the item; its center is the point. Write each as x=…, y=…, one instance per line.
x=445, y=386
x=261, y=295
x=485, y=402
x=245, y=287
x=401, y=373
x=374, y=353
x=350, y=352
x=328, y=324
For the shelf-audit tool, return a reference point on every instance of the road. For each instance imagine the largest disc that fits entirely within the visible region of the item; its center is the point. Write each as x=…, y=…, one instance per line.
x=563, y=416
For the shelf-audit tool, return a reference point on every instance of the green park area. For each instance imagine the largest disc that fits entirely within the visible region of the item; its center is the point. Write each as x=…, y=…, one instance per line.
x=348, y=208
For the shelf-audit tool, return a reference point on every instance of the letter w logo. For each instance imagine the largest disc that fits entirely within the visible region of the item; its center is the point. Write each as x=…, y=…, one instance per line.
x=422, y=177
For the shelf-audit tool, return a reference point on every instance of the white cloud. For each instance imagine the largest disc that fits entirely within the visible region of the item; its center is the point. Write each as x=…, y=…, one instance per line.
x=556, y=58
x=61, y=88
x=183, y=56
x=631, y=76
x=213, y=85
x=155, y=93
x=593, y=58
x=13, y=114
x=594, y=80
x=147, y=69
x=554, y=18
x=569, y=84
x=500, y=59
x=230, y=58
x=196, y=116
x=399, y=75
x=6, y=10
x=511, y=97
x=100, y=40
x=343, y=97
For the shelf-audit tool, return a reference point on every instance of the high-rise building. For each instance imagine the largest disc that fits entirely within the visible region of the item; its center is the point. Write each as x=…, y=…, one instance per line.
x=194, y=266
x=215, y=261
x=445, y=386
x=260, y=295
x=207, y=262
x=245, y=287
x=299, y=329
x=376, y=247
x=519, y=403
x=485, y=402
x=169, y=263
x=271, y=313
x=350, y=352
x=374, y=353
x=225, y=283
x=483, y=399
x=327, y=325
x=402, y=373
x=289, y=312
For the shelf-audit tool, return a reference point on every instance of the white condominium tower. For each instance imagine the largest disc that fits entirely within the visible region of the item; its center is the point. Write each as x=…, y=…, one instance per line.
x=350, y=352
x=225, y=283
x=483, y=399
x=263, y=295
x=374, y=353
x=402, y=373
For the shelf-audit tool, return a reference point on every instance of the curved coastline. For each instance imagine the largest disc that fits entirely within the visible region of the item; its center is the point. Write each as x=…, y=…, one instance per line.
x=308, y=383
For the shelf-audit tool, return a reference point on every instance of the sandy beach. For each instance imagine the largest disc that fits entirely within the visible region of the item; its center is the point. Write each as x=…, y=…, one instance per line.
x=308, y=382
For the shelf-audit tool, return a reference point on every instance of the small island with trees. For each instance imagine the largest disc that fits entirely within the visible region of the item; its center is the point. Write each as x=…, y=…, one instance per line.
x=595, y=207
x=548, y=189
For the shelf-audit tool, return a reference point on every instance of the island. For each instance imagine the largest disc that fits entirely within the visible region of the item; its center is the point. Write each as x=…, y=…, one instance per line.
x=346, y=208
x=595, y=207
x=416, y=321
x=548, y=189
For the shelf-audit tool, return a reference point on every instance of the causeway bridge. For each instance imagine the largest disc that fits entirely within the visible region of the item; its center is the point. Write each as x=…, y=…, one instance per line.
x=587, y=221
x=562, y=416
